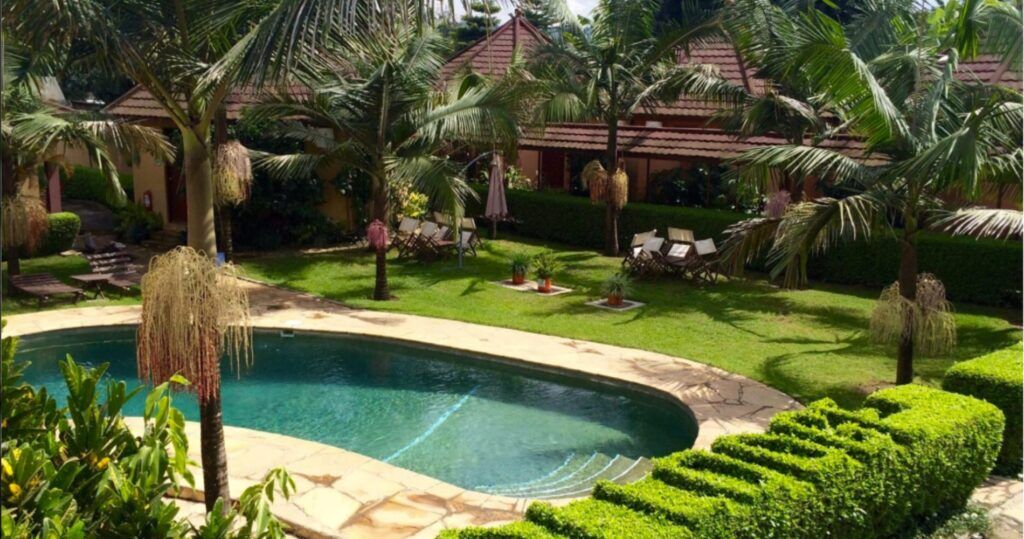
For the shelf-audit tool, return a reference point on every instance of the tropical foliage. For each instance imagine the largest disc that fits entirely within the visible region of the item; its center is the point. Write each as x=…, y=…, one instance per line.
x=377, y=112
x=77, y=471
x=927, y=130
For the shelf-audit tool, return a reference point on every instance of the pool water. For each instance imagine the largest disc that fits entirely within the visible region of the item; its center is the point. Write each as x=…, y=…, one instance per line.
x=470, y=422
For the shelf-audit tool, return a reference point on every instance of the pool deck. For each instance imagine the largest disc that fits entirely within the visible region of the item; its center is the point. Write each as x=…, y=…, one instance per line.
x=344, y=494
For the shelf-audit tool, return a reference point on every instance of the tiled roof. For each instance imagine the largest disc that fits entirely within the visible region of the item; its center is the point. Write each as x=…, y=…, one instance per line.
x=985, y=68
x=723, y=57
x=492, y=56
x=139, y=103
x=666, y=142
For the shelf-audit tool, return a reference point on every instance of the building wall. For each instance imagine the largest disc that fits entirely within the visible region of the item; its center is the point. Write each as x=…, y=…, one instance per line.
x=636, y=169
x=529, y=165
x=149, y=175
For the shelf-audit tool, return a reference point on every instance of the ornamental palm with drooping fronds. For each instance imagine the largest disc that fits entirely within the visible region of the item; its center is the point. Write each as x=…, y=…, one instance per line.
x=927, y=129
x=383, y=115
x=193, y=313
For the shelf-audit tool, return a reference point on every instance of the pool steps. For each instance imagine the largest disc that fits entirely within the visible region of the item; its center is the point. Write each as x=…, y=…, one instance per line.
x=577, y=476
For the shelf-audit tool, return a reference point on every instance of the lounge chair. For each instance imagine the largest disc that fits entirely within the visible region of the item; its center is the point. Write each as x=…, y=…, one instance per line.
x=649, y=261
x=441, y=218
x=680, y=258
x=44, y=286
x=469, y=224
x=680, y=235
x=431, y=241
x=114, y=269
x=466, y=242
x=635, y=247
x=405, y=236
x=706, y=262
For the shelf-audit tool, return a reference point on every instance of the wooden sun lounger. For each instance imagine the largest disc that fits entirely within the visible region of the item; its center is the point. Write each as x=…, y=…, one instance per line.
x=44, y=286
x=112, y=269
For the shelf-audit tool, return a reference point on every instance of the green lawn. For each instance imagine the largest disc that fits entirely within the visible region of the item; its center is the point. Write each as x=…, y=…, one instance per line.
x=62, y=267
x=808, y=343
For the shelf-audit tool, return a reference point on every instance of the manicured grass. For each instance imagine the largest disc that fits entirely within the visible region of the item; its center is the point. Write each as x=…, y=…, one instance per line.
x=62, y=267
x=807, y=343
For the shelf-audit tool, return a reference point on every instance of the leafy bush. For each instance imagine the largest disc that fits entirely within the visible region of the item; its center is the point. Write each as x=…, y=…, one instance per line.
x=997, y=378
x=88, y=183
x=62, y=229
x=574, y=221
x=136, y=223
x=704, y=185
x=78, y=471
x=912, y=456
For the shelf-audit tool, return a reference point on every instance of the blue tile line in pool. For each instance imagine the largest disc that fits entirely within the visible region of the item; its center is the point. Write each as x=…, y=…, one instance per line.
x=430, y=430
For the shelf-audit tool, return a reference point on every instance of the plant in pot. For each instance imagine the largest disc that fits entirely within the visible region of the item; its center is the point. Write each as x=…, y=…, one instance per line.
x=546, y=266
x=520, y=264
x=615, y=289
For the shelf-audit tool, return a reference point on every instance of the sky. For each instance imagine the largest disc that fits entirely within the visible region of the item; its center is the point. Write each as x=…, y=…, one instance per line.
x=580, y=7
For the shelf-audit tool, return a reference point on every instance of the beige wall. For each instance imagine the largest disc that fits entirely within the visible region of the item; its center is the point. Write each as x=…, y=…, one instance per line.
x=636, y=169
x=78, y=156
x=149, y=174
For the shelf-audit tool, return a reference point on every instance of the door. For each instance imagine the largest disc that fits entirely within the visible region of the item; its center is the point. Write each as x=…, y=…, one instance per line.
x=177, y=205
x=552, y=170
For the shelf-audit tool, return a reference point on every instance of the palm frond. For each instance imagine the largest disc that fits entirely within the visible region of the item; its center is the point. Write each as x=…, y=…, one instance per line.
x=980, y=223
x=746, y=241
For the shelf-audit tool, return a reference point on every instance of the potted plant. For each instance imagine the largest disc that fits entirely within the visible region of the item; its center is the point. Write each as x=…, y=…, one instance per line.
x=520, y=264
x=546, y=265
x=615, y=289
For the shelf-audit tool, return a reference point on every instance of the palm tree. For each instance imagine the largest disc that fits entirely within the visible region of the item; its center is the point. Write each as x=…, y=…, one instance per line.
x=35, y=134
x=926, y=133
x=609, y=71
x=379, y=113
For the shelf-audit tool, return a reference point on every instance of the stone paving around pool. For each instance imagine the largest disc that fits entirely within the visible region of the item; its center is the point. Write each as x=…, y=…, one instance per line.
x=343, y=494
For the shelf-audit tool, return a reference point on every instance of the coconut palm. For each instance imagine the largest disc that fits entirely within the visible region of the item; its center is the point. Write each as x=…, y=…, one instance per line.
x=35, y=134
x=381, y=115
x=926, y=132
x=608, y=72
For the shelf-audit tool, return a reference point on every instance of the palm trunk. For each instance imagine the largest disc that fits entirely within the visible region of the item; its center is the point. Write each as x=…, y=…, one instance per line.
x=908, y=289
x=225, y=231
x=214, y=457
x=611, y=214
x=10, y=188
x=380, y=211
x=202, y=234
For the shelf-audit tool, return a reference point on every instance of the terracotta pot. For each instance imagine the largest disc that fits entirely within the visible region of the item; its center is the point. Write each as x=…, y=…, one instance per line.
x=544, y=285
x=518, y=278
x=615, y=300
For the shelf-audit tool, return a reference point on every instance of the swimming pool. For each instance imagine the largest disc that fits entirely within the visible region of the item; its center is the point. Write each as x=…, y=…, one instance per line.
x=474, y=423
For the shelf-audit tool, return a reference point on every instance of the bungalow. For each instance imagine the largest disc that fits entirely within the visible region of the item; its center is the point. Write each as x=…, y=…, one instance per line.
x=678, y=135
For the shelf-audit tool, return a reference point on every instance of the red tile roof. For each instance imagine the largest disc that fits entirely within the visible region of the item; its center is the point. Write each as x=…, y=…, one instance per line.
x=667, y=142
x=139, y=103
x=986, y=68
x=492, y=56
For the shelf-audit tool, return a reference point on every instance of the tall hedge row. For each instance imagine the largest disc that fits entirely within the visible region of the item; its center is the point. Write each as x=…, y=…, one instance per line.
x=913, y=452
x=573, y=220
x=88, y=183
x=997, y=378
x=62, y=229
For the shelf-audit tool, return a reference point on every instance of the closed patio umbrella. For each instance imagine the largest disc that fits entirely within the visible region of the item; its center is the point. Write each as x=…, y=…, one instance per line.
x=496, y=208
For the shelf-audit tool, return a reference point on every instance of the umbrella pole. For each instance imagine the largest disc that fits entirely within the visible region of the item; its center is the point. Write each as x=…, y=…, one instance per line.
x=494, y=228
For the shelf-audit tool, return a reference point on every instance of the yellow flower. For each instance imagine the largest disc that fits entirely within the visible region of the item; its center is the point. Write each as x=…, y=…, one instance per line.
x=15, y=490
x=16, y=452
x=102, y=464
x=7, y=467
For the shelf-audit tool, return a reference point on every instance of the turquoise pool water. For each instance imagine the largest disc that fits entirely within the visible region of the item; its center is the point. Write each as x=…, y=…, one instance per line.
x=476, y=424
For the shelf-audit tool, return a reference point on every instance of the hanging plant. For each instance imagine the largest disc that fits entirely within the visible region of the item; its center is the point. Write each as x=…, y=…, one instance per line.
x=232, y=174
x=24, y=222
x=618, y=189
x=193, y=312
x=595, y=178
x=929, y=316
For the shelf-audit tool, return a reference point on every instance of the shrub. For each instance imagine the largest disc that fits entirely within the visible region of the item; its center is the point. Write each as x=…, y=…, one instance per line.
x=574, y=221
x=996, y=378
x=136, y=223
x=88, y=183
x=912, y=455
x=78, y=471
x=62, y=229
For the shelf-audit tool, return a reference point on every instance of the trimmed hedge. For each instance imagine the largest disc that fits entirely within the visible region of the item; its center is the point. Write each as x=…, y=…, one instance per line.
x=997, y=378
x=912, y=453
x=88, y=183
x=60, y=235
x=575, y=221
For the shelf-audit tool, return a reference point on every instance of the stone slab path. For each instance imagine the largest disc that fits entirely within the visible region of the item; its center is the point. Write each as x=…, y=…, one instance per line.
x=344, y=494
x=1004, y=499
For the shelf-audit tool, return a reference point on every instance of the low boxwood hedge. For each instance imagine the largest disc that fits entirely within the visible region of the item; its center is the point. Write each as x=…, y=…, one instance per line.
x=62, y=229
x=912, y=453
x=998, y=378
x=88, y=183
x=575, y=221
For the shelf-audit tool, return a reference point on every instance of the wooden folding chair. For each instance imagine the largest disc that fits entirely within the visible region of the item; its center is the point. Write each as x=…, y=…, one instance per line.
x=649, y=262
x=405, y=237
x=680, y=235
x=635, y=248
x=706, y=263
